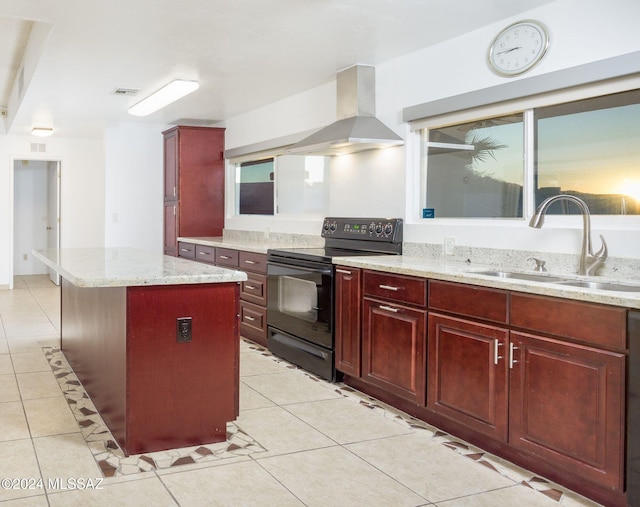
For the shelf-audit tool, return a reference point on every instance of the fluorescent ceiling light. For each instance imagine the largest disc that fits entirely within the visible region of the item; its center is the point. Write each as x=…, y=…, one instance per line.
x=41, y=131
x=164, y=96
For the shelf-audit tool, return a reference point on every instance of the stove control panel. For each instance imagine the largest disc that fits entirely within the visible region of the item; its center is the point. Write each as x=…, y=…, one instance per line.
x=374, y=229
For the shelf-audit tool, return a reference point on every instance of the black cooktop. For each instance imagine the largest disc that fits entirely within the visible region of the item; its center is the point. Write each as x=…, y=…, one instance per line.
x=316, y=254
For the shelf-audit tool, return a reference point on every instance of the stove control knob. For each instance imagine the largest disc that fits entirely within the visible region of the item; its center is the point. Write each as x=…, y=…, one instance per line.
x=379, y=229
x=325, y=226
x=333, y=226
x=372, y=228
x=388, y=229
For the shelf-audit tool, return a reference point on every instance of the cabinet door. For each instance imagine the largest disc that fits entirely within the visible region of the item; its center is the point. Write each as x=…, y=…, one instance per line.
x=567, y=405
x=393, y=348
x=348, y=305
x=467, y=373
x=170, y=229
x=201, y=181
x=171, y=165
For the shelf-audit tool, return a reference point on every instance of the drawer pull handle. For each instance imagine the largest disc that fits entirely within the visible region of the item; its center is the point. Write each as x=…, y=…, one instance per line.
x=250, y=287
x=389, y=287
x=205, y=253
x=249, y=262
x=389, y=308
x=512, y=361
x=225, y=257
x=496, y=357
x=343, y=271
x=251, y=319
x=185, y=249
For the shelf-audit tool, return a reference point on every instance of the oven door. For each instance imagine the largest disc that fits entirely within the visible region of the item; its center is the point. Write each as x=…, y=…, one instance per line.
x=300, y=300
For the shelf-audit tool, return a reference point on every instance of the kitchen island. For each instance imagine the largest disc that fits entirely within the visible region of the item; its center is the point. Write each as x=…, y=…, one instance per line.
x=154, y=340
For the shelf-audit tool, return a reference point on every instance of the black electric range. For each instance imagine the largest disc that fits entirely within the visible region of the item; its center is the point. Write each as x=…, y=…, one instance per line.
x=300, y=295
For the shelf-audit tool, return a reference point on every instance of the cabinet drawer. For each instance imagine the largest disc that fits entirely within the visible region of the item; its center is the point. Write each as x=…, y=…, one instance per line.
x=255, y=289
x=405, y=289
x=253, y=322
x=592, y=323
x=205, y=254
x=227, y=257
x=186, y=250
x=250, y=261
x=469, y=300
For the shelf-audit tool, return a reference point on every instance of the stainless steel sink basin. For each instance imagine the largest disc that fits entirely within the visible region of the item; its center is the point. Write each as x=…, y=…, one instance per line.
x=532, y=277
x=557, y=280
x=616, y=287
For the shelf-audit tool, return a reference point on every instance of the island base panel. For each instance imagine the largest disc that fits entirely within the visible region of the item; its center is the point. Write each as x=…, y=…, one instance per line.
x=93, y=340
x=152, y=391
x=181, y=393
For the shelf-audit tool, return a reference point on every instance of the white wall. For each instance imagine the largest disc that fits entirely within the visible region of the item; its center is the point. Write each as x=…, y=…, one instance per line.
x=82, y=191
x=386, y=183
x=134, y=186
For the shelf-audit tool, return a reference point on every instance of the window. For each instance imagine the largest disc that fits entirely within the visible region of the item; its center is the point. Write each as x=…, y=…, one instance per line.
x=283, y=184
x=255, y=187
x=475, y=169
x=588, y=148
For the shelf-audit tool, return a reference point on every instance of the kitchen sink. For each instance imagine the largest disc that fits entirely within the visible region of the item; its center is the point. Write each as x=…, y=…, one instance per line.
x=617, y=287
x=557, y=280
x=532, y=277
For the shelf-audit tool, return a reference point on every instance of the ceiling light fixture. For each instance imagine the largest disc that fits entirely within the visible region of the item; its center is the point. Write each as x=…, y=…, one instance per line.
x=164, y=96
x=41, y=131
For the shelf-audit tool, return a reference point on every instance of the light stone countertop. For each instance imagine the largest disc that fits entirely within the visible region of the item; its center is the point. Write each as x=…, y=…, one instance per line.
x=462, y=272
x=453, y=271
x=248, y=246
x=255, y=246
x=125, y=267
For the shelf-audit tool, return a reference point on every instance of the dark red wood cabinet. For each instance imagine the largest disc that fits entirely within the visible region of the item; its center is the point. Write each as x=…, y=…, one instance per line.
x=394, y=334
x=348, y=316
x=467, y=373
x=536, y=379
x=193, y=184
x=253, y=291
x=567, y=405
x=154, y=391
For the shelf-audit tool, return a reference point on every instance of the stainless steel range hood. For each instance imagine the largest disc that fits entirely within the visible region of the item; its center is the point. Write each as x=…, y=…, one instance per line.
x=357, y=128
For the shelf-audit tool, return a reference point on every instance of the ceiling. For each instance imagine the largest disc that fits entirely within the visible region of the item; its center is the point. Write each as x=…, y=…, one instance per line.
x=244, y=53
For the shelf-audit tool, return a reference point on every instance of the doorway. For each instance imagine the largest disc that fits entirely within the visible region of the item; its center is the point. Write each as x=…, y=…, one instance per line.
x=36, y=214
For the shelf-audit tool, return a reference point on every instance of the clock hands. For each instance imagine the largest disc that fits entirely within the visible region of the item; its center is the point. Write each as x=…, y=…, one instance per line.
x=508, y=50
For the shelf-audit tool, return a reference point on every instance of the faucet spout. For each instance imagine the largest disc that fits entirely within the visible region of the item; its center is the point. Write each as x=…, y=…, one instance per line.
x=589, y=262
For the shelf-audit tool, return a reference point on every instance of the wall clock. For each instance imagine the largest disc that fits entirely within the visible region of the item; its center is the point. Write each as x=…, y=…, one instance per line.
x=518, y=48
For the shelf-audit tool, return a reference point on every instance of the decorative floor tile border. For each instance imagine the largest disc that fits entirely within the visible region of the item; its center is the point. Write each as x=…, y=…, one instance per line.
x=499, y=465
x=107, y=453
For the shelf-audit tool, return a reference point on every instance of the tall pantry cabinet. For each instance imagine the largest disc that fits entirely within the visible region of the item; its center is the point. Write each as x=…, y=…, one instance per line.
x=193, y=184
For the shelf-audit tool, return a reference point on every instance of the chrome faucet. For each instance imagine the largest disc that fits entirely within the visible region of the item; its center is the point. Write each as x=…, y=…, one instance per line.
x=589, y=262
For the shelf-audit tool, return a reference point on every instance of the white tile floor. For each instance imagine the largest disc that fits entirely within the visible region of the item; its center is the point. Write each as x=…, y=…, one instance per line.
x=319, y=444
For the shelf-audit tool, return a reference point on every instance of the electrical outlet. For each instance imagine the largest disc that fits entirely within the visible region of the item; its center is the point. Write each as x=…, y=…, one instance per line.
x=183, y=332
x=449, y=245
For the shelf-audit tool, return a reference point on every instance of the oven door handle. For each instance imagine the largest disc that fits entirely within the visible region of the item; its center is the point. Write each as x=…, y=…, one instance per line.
x=302, y=265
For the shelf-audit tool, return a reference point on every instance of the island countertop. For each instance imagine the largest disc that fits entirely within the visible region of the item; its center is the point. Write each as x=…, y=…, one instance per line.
x=125, y=267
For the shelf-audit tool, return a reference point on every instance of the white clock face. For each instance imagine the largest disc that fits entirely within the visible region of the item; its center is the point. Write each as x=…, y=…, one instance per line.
x=518, y=48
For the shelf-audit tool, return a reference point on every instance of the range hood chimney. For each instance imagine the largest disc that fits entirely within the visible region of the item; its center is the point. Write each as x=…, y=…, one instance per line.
x=357, y=128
